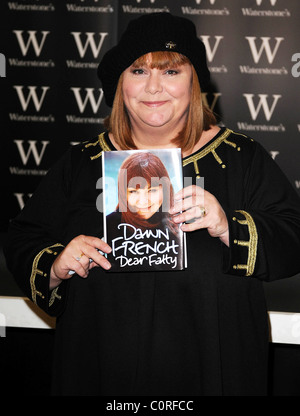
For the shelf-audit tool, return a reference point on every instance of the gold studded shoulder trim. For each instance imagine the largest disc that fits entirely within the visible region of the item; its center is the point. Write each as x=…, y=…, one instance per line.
x=102, y=145
x=251, y=244
x=99, y=144
x=212, y=149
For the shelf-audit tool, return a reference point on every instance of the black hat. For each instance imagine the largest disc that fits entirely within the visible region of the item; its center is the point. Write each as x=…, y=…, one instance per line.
x=151, y=33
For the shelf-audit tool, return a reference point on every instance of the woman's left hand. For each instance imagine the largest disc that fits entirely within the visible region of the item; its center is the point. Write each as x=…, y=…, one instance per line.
x=196, y=208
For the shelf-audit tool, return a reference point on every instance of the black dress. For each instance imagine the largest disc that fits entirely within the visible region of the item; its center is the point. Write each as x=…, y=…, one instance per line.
x=201, y=331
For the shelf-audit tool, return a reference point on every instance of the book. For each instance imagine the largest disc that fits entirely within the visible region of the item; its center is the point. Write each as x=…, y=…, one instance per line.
x=138, y=191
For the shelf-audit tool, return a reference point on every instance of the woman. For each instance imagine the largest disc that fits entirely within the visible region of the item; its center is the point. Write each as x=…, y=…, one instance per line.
x=145, y=195
x=144, y=189
x=200, y=331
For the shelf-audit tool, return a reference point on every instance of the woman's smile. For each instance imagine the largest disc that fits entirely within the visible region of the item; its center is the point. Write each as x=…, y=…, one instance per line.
x=154, y=104
x=157, y=97
x=145, y=201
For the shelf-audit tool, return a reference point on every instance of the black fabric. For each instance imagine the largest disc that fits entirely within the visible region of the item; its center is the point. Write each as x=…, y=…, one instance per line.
x=201, y=331
x=151, y=33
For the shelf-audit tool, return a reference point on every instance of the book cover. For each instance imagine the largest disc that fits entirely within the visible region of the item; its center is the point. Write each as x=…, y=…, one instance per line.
x=139, y=188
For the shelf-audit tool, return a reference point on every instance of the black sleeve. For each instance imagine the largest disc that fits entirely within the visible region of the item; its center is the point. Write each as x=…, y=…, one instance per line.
x=35, y=238
x=265, y=231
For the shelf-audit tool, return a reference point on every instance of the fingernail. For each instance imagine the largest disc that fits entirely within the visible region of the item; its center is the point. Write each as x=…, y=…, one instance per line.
x=107, y=265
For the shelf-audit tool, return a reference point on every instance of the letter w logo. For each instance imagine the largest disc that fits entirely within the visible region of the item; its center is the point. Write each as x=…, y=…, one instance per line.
x=90, y=41
x=32, y=95
x=211, y=51
x=89, y=97
x=273, y=2
x=262, y=103
x=211, y=1
x=31, y=150
x=265, y=46
x=32, y=40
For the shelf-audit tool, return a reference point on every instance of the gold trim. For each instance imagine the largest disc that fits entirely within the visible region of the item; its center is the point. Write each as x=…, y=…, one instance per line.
x=216, y=143
x=54, y=296
x=211, y=149
x=217, y=157
x=242, y=243
x=240, y=267
x=230, y=143
x=102, y=143
x=251, y=244
x=196, y=167
x=35, y=271
x=89, y=144
x=191, y=159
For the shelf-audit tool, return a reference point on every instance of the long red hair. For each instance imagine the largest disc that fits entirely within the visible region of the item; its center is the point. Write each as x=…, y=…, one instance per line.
x=144, y=169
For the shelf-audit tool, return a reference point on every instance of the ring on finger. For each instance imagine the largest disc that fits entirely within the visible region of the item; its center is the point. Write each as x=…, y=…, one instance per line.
x=79, y=257
x=202, y=212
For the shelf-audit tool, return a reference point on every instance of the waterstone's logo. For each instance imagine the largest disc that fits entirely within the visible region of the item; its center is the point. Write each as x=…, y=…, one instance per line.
x=22, y=198
x=212, y=46
x=29, y=6
x=263, y=49
x=208, y=8
x=197, y=1
x=259, y=2
x=144, y=6
x=263, y=106
x=31, y=97
x=88, y=99
x=266, y=11
x=88, y=6
x=31, y=154
x=88, y=43
x=31, y=42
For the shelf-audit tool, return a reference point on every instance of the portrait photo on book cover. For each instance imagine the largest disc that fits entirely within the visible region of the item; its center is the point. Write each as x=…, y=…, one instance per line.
x=139, y=188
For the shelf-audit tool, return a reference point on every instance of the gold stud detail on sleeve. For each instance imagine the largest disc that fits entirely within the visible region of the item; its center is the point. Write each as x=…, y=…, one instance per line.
x=35, y=271
x=251, y=244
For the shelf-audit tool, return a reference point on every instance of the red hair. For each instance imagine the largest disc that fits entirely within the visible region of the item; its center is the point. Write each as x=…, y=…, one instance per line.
x=144, y=169
x=199, y=119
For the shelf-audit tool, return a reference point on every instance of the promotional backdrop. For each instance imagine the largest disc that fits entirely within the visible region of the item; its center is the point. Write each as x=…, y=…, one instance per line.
x=52, y=99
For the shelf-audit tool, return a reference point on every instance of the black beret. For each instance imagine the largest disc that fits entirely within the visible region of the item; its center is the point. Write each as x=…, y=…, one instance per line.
x=151, y=33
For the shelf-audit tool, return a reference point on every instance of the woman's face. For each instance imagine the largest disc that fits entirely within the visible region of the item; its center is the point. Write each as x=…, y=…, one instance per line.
x=145, y=201
x=155, y=97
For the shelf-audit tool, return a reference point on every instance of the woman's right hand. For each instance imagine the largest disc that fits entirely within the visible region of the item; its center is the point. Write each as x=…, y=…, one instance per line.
x=80, y=256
